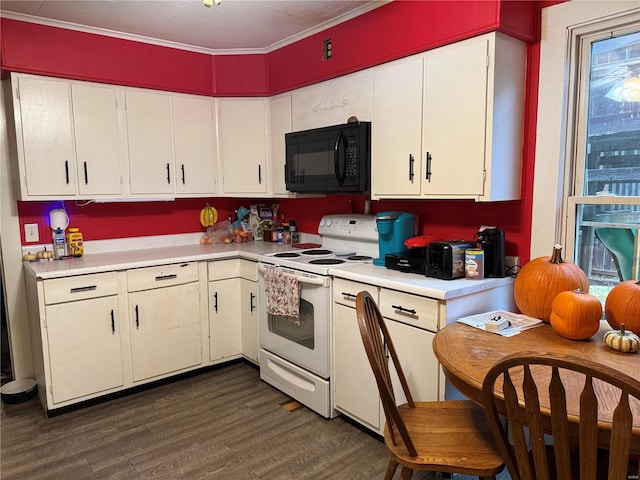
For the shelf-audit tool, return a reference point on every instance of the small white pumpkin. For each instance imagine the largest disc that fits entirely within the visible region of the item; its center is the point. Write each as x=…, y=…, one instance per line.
x=622, y=340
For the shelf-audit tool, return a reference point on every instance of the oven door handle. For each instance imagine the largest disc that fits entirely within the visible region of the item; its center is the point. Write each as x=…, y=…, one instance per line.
x=300, y=278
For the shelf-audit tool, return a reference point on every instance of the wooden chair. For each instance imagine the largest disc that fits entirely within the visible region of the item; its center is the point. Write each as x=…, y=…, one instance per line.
x=535, y=459
x=449, y=436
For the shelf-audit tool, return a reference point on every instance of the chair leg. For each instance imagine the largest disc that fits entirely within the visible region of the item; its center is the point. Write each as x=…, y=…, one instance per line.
x=391, y=469
x=406, y=473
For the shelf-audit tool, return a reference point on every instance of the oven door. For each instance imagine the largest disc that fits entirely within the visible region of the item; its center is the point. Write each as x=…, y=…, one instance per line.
x=305, y=344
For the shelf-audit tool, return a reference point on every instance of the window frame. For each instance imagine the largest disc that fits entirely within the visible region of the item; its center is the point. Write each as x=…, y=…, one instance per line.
x=565, y=27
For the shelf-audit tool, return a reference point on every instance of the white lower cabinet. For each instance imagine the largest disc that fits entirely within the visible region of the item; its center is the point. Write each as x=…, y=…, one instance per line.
x=225, y=326
x=407, y=317
x=164, y=319
x=249, y=310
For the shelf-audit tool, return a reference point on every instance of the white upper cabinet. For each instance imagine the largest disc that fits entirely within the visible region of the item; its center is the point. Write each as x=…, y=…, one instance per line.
x=471, y=101
x=194, y=141
x=97, y=133
x=243, y=146
x=44, y=128
x=396, y=136
x=280, y=125
x=150, y=142
x=332, y=102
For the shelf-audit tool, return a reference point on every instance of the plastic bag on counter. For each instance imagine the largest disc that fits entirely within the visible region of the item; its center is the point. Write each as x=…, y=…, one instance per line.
x=221, y=232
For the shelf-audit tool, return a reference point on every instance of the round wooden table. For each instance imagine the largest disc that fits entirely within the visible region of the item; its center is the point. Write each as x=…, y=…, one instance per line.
x=467, y=353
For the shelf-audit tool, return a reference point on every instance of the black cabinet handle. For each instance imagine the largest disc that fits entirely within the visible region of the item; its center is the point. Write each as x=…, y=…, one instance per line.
x=428, y=177
x=86, y=174
x=182, y=168
x=260, y=174
x=168, y=174
x=166, y=277
x=348, y=295
x=405, y=310
x=88, y=288
x=66, y=170
x=251, y=305
x=137, y=318
x=113, y=323
x=411, y=162
x=215, y=301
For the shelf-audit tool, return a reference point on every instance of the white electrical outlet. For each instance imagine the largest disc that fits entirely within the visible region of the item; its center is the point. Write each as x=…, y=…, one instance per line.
x=31, y=232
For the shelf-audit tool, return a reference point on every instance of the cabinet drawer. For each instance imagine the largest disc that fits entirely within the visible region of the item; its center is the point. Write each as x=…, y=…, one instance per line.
x=223, y=269
x=249, y=270
x=80, y=287
x=345, y=291
x=162, y=276
x=418, y=311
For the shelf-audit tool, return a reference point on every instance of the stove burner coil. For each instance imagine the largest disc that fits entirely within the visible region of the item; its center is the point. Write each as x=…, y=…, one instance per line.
x=317, y=251
x=287, y=255
x=326, y=261
x=359, y=258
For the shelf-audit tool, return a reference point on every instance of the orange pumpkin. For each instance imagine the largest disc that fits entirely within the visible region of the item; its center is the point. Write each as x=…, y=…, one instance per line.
x=576, y=315
x=623, y=305
x=540, y=280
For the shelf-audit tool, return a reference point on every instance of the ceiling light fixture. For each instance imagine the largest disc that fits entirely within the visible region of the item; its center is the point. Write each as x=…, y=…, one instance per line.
x=209, y=3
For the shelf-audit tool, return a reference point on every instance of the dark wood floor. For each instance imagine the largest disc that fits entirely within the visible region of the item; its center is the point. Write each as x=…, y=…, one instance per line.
x=223, y=424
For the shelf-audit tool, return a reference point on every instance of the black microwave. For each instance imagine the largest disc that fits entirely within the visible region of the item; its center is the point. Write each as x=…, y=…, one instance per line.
x=334, y=159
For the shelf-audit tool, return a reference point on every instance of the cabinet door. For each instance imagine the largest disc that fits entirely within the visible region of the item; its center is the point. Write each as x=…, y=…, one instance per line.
x=225, y=326
x=249, y=314
x=85, y=354
x=193, y=136
x=243, y=146
x=397, y=129
x=455, y=106
x=45, y=137
x=95, y=120
x=418, y=362
x=150, y=142
x=165, y=330
x=355, y=390
x=280, y=125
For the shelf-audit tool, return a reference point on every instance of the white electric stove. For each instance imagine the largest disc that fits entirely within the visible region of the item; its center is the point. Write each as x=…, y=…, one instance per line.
x=295, y=357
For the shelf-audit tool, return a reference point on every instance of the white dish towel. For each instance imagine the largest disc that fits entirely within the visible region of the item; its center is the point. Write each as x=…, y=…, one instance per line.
x=282, y=291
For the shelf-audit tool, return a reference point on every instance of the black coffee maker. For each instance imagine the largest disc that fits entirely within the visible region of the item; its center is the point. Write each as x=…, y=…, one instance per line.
x=491, y=240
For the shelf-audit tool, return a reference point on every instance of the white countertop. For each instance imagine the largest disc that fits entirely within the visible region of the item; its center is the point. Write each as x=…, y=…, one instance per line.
x=417, y=284
x=164, y=255
x=126, y=259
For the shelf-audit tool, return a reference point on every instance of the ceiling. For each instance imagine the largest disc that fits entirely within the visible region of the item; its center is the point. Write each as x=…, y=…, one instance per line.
x=234, y=26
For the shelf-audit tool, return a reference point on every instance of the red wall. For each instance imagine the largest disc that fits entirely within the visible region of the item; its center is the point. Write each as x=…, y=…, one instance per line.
x=392, y=31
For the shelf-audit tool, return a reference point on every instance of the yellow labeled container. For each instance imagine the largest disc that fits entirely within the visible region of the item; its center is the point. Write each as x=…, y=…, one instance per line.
x=74, y=242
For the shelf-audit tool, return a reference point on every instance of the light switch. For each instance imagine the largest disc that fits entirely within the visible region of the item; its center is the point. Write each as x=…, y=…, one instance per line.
x=31, y=233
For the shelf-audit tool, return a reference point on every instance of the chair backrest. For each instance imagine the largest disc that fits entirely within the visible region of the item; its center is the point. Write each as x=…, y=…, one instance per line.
x=523, y=379
x=377, y=343
x=620, y=243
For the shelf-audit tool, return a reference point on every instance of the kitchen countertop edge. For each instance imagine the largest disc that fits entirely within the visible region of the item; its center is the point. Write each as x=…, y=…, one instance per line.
x=417, y=284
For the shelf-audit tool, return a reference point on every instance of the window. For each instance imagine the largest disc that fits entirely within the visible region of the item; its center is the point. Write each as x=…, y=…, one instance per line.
x=603, y=208
x=587, y=168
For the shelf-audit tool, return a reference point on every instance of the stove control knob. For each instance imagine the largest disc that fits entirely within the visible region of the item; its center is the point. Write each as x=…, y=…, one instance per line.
x=328, y=223
x=322, y=222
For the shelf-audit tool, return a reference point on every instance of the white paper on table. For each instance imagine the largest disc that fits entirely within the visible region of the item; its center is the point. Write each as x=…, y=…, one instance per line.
x=517, y=322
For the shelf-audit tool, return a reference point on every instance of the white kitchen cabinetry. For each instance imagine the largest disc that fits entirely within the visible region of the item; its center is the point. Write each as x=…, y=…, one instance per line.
x=333, y=101
x=225, y=325
x=355, y=392
x=412, y=322
x=194, y=140
x=164, y=319
x=150, y=142
x=470, y=141
x=249, y=310
x=243, y=146
x=76, y=337
x=68, y=138
x=280, y=109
